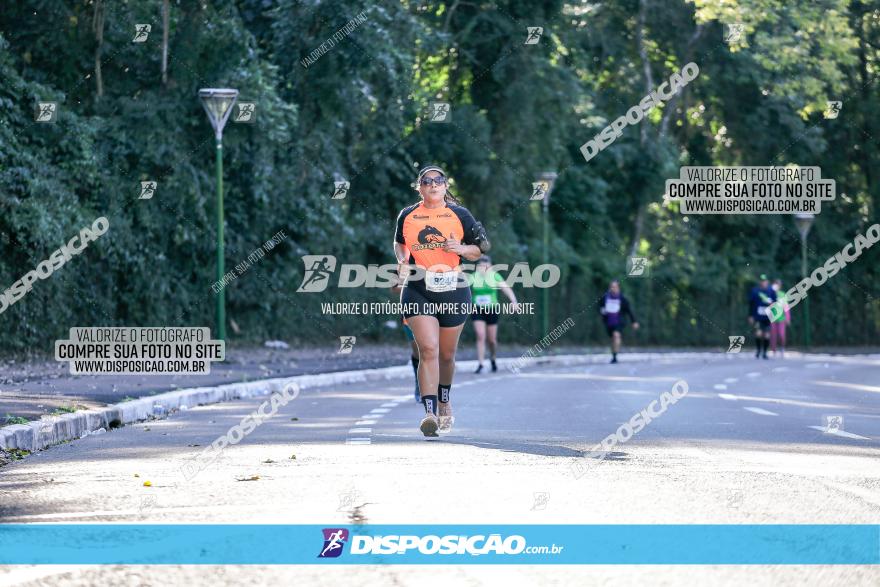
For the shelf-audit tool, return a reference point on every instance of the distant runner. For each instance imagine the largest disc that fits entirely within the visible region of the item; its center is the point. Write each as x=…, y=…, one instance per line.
x=761, y=296
x=434, y=235
x=484, y=290
x=612, y=306
x=778, y=324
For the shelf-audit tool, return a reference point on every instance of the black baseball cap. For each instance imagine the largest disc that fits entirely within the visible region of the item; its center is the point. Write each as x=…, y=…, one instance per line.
x=428, y=168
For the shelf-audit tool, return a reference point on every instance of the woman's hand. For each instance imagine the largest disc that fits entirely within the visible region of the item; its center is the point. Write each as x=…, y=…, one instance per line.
x=402, y=273
x=453, y=245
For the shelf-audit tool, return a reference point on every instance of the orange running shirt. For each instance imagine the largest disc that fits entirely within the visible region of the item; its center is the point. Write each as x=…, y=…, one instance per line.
x=424, y=232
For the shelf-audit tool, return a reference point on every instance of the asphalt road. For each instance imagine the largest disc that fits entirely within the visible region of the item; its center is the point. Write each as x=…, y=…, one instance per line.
x=747, y=444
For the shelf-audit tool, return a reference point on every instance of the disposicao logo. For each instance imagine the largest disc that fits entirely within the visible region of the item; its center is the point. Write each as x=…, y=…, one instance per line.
x=334, y=541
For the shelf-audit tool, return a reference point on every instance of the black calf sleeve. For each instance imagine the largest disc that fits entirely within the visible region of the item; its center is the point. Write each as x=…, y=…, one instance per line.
x=430, y=403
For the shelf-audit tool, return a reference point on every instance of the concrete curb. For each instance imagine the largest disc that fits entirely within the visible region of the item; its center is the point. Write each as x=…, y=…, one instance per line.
x=51, y=430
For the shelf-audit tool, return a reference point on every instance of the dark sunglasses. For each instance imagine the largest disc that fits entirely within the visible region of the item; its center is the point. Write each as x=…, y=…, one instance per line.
x=433, y=180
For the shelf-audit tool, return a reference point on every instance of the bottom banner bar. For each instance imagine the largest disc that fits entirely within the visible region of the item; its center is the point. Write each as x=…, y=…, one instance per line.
x=442, y=544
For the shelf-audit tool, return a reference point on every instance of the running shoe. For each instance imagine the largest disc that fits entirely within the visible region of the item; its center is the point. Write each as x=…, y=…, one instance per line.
x=494, y=366
x=446, y=418
x=429, y=425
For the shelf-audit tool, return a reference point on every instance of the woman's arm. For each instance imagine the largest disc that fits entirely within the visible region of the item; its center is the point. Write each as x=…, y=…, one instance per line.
x=509, y=293
x=401, y=251
x=506, y=289
x=473, y=252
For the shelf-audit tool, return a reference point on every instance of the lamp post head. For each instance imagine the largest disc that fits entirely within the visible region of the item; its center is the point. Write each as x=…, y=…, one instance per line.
x=218, y=104
x=804, y=221
x=548, y=178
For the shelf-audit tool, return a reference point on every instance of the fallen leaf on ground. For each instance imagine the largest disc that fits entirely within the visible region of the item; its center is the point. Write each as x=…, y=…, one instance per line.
x=148, y=484
x=254, y=478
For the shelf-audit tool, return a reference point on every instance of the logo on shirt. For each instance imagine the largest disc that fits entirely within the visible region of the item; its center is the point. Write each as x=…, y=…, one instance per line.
x=430, y=238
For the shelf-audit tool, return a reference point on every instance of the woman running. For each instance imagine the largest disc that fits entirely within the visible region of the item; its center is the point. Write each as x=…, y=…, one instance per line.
x=778, y=323
x=486, y=284
x=433, y=236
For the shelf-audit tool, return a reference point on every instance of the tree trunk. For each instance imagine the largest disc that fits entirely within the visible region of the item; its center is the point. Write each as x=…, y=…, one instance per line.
x=98, y=26
x=165, y=10
x=642, y=203
x=639, y=223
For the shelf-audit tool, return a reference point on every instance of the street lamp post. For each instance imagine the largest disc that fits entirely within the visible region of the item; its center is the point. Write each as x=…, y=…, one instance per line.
x=546, y=181
x=218, y=104
x=804, y=221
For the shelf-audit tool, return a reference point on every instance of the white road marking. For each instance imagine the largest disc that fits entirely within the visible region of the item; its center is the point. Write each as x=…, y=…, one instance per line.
x=842, y=433
x=787, y=402
x=719, y=386
x=358, y=441
x=390, y=405
x=779, y=369
x=364, y=422
x=731, y=380
x=590, y=376
x=632, y=392
x=761, y=411
x=857, y=386
x=371, y=416
x=753, y=374
x=380, y=411
x=360, y=431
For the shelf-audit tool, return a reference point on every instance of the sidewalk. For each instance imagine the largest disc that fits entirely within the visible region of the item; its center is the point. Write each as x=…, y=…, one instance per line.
x=35, y=388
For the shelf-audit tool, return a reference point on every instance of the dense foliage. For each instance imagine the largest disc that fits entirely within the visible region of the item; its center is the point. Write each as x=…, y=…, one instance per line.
x=359, y=113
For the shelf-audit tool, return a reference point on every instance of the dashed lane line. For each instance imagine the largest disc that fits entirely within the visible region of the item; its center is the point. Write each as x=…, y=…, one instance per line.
x=761, y=411
x=841, y=433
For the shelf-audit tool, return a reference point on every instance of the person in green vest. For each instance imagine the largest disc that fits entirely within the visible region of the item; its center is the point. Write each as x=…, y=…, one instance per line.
x=484, y=291
x=779, y=320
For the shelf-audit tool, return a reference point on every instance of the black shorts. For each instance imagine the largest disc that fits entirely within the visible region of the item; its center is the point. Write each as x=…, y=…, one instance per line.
x=612, y=329
x=488, y=316
x=418, y=301
x=762, y=323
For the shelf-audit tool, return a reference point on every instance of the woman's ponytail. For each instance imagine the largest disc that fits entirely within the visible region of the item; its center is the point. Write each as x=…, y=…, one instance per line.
x=450, y=198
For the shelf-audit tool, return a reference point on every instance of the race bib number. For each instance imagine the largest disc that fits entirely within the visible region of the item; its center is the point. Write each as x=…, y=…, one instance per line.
x=445, y=281
x=483, y=300
x=612, y=306
x=762, y=310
